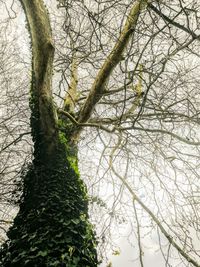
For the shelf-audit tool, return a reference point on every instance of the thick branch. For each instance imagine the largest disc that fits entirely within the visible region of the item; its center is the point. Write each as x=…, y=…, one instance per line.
x=86, y=124
x=43, y=54
x=111, y=62
x=72, y=94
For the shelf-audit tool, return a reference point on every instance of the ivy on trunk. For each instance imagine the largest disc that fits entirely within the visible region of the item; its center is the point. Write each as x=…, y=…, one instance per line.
x=52, y=226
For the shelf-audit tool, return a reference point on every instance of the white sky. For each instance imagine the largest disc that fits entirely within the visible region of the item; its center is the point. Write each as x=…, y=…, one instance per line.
x=129, y=256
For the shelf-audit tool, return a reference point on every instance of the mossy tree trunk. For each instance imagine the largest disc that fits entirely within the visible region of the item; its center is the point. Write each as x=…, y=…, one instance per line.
x=52, y=227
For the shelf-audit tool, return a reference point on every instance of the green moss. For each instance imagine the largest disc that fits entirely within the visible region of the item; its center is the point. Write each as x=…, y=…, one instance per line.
x=62, y=138
x=71, y=153
x=73, y=164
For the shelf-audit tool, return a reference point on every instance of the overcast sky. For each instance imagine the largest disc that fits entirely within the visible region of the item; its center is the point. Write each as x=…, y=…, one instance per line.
x=128, y=256
x=129, y=253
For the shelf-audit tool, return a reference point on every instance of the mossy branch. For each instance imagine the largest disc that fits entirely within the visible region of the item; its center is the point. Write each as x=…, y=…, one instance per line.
x=98, y=87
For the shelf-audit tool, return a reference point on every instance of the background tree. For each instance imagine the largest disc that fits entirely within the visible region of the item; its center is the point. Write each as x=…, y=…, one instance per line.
x=126, y=84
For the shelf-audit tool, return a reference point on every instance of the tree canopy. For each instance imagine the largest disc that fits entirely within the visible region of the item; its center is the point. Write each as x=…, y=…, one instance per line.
x=116, y=83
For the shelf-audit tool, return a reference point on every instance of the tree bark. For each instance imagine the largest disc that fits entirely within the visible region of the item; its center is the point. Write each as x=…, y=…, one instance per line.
x=52, y=226
x=43, y=119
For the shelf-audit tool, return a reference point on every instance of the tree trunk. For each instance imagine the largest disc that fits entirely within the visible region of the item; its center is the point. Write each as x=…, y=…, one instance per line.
x=52, y=227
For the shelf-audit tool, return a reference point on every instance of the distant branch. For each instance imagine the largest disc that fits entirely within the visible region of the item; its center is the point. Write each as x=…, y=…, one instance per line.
x=19, y=138
x=148, y=211
x=172, y=22
x=166, y=132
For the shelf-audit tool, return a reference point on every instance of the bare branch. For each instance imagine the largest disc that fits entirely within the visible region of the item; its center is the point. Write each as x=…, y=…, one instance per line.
x=173, y=22
x=148, y=211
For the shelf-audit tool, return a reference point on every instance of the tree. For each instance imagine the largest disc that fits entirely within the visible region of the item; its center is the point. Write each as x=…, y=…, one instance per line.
x=142, y=104
x=52, y=225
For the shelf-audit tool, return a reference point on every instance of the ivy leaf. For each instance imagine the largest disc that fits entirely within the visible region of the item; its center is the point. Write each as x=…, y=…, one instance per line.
x=75, y=221
x=42, y=253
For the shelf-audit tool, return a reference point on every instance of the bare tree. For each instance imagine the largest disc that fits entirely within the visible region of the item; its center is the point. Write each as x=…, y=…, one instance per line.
x=125, y=85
